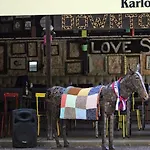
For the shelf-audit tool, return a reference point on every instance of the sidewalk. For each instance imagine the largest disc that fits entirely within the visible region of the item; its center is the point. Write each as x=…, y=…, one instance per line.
x=43, y=142
x=86, y=137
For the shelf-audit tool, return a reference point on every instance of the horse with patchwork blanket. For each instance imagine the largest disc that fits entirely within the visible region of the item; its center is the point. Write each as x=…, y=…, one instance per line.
x=76, y=103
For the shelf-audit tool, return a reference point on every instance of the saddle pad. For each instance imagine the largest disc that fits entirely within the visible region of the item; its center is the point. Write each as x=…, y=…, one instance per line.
x=80, y=103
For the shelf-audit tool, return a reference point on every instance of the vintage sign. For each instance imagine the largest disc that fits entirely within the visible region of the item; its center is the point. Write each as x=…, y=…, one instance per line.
x=59, y=7
x=102, y=21
x=120, y=46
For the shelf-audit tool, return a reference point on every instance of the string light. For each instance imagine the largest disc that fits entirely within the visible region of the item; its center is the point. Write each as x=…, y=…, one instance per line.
x=114, y=20
x=67, y=27
x=98, y=23
x=140, y=20
x=131, y=16
x=81, y=17
x=82, y=22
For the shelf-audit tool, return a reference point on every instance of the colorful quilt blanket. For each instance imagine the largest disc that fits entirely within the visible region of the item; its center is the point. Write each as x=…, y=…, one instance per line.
x=80, y=103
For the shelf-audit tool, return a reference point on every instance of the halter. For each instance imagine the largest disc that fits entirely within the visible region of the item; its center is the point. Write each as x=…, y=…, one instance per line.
x=121, y=101
x=141, y=79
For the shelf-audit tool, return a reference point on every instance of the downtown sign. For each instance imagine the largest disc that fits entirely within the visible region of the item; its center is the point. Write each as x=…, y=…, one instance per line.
x=61, y=7
x=102, y=21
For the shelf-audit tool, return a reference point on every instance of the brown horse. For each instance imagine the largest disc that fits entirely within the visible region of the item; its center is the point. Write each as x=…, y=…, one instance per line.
x=112, y=97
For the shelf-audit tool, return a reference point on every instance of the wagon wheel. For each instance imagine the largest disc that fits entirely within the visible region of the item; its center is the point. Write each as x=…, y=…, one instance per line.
x=143, y=115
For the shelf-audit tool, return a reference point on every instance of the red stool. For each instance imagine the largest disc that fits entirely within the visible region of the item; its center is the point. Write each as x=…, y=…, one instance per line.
x=4, y=119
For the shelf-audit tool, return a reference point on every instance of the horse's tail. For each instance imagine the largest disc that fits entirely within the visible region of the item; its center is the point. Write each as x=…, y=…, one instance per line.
x=48, y=99
x=48, y=112
x=48, y=93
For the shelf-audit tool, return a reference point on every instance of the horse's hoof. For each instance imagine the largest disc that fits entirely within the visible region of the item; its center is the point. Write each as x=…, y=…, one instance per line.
x=59, y=146
x=105, y=148
x=112, y=148
x=66, y=144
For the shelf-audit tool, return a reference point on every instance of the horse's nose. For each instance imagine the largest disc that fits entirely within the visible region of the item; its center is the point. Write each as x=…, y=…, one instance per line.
x=146, y=98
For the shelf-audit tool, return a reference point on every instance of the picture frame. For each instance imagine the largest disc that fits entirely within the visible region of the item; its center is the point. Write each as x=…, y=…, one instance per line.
x=32, y=66
x=144, y=60
x=97, y=64
x=131, y=61
x=18, y=48
x=73, y=50
x=17, y=25
x=55, y=49
x=32, y=49
x=17, y=63
x=114, y=64
x=147, y=61
x=27, y=25
x=74, y=67
x=3, y=58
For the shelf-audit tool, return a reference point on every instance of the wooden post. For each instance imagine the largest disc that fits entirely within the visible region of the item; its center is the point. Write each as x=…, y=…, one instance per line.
x=49, y=65
x=48, y=52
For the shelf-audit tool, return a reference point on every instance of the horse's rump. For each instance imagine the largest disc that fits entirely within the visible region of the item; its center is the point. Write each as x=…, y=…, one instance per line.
x=80, y=103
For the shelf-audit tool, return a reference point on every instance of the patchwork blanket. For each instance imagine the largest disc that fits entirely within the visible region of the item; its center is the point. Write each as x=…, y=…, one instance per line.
x=80, y=103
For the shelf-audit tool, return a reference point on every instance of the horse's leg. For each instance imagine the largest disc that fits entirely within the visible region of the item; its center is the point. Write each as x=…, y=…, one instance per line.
x=111, y=131
x=143, y=115
x=129, y=118
x=66, y=143
x=54, y=120
x=49, y=126
x=104, y=122
x=96, y=129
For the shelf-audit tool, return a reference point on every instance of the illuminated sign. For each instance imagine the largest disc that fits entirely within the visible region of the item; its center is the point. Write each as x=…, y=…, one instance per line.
x=106, y=21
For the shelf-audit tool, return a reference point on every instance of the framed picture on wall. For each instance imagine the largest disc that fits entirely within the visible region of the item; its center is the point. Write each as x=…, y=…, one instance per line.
x=97, y=64
x=74, y=67
x=73, y=50
x=17, y=63
x=32, y=49
x=131, y=61
x=114, y=64
x=147, y=66
x=33, y=66
x=145, y=63
x=18, y=48
x=54, y=49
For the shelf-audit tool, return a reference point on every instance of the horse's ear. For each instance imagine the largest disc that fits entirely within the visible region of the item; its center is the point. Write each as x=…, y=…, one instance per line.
x=138, y=67
x=130, y=71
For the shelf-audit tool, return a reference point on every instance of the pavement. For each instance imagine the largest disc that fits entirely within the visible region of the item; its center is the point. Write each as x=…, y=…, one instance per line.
x=85, y=139
x=86, y=142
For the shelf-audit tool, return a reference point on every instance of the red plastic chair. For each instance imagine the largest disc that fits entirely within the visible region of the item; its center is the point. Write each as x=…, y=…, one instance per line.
x=6, y=118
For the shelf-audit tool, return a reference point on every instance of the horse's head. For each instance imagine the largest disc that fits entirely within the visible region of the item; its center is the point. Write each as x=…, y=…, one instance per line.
x=137, y=84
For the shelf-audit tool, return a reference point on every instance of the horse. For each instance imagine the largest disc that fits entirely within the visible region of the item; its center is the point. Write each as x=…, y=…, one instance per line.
x=112, y=97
